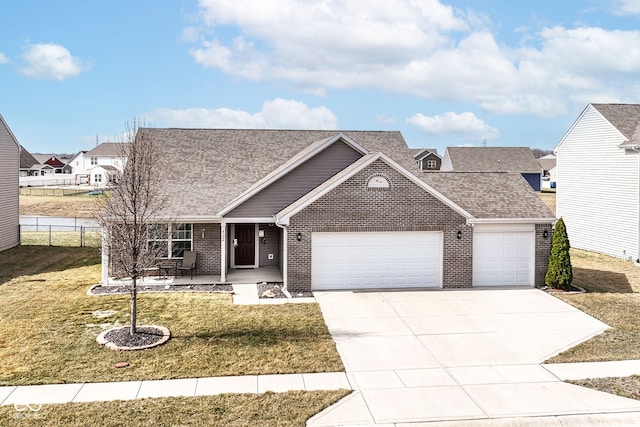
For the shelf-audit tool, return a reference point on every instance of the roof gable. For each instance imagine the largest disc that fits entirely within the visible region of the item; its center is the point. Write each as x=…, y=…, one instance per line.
x=424, y=153
x=285, y=215
x=8, y=131
x=490, y=159
x=295, y=163
x=273, y=194
x=624, y=117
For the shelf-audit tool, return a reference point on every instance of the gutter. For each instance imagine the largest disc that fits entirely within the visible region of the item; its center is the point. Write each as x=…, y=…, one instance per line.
x=511, y=221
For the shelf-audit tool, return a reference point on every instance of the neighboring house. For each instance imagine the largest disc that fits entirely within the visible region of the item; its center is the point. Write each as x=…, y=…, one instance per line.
x=29, y=165
x=598, y=167
x=9, y=188
x=51, y=163
x=494, y=159
x=78, y=168
x=101, y=164
x=343, y=210
x=427, y=159
x=549, y=175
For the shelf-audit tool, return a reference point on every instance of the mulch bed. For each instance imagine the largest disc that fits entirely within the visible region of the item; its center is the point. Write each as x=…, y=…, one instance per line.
x=144, y=336
x=124, y=289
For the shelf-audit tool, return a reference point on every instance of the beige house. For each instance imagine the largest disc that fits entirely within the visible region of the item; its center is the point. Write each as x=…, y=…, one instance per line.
x=9, y=188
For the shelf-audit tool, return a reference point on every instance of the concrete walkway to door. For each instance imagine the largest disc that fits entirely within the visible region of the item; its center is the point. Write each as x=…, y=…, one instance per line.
x=423, y=356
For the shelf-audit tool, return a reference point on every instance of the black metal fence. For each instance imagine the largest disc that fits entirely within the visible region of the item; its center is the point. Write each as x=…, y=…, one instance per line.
x=60, y=235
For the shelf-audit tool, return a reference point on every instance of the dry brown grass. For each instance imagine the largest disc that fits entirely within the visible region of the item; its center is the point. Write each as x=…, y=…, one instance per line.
x=622, y=386
x=49, y=327
x=549, y=198
x=80, y=206
x=234, y=410
x=613, y=298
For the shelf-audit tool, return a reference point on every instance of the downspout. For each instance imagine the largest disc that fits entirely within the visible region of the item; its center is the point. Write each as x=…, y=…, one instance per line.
x=284, y=255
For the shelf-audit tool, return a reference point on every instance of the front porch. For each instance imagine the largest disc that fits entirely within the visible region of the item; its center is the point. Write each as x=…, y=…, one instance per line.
x=234, y=277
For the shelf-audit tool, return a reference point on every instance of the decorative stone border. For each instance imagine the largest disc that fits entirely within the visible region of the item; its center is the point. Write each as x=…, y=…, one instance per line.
x=112, y=346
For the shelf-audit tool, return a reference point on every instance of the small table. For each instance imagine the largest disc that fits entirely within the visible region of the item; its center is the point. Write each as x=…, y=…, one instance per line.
x=166, y=266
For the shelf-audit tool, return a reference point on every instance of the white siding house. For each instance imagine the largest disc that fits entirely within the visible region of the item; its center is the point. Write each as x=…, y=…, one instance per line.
x=99, y=166
x=9, y=188
x=598, y=168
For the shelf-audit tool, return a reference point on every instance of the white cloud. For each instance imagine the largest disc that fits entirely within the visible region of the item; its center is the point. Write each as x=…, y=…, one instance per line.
x=465, y=126
x=421, y=48
x=3, y=59
x=626, y=7
x=275, y=114
x=50, y=61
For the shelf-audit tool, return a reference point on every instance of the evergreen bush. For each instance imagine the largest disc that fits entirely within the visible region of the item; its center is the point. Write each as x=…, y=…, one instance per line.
x=559, y=273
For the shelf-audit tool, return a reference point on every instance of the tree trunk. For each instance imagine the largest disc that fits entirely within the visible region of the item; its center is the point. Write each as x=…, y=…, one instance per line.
x=134, y=295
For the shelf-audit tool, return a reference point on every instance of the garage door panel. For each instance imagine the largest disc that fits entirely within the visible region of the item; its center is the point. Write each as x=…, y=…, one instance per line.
x=376, y=260
x=502, y=258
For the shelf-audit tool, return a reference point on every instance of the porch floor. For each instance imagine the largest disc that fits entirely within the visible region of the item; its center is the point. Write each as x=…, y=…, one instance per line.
x=234, y=276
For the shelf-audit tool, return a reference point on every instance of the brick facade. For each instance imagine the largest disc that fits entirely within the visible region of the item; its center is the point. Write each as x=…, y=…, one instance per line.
x=208, y=248
x=404, y=206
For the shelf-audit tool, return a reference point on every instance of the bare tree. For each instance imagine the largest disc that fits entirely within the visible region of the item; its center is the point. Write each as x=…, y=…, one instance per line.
x=133, y=203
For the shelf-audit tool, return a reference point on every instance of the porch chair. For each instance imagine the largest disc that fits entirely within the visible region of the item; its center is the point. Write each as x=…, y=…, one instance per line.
x=188, y=262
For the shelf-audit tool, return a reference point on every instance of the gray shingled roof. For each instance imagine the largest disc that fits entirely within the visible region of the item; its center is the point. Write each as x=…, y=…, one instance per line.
x=547, y=162
x=624, y=117
x=206, y=169
x=490, y=195
x=106, y=149
x=492, y=159
x=26, y=159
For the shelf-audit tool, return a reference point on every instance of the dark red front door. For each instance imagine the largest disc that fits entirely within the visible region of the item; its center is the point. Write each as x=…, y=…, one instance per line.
x=245, y=248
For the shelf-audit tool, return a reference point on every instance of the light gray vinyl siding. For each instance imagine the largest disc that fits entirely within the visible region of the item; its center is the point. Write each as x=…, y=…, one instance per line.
x=9, y=188
x=597, y=193
x=297, y=183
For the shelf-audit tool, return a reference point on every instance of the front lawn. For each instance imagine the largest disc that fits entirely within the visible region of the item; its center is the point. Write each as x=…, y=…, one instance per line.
x=49, y=326
x=269, y=409
x=613, y=297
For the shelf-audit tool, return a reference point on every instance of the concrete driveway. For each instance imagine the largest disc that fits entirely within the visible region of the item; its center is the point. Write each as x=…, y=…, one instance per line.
x=456, y=355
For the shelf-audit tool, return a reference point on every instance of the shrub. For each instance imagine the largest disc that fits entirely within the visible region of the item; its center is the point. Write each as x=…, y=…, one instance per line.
x=559, y=273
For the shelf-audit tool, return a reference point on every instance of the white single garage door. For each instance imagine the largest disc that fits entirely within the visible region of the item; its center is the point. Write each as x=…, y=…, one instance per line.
x=366, y=260
x=503, y=258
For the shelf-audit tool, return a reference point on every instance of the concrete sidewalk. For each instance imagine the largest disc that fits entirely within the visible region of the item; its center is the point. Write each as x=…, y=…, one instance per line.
x=128, y=390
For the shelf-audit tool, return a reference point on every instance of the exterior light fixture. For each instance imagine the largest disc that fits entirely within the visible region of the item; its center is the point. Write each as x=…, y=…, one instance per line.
x=545, y=234
x=203, y=233
x=299, y=236
x=459, y=235
x=263, y=239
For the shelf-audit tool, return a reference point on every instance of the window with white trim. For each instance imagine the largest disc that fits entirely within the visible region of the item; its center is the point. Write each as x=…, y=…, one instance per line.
x=431, y=164
x=170, y=240
x=94, y=161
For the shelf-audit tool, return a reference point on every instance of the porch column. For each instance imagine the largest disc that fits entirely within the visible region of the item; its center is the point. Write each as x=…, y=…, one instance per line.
x=223, y=252
x=285, y=256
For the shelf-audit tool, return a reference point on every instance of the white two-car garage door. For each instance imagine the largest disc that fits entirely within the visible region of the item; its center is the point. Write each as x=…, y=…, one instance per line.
x=365, y=260
x=503, y=258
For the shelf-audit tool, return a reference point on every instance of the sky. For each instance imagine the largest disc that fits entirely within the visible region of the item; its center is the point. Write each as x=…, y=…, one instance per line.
x=443, y=72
